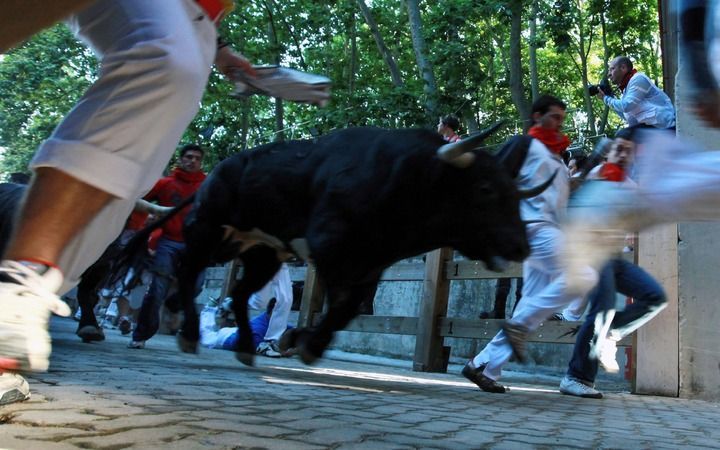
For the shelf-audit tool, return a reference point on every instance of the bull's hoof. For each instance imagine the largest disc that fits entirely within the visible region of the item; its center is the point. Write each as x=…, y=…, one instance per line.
x=186, y=345
x=246, y=358
x=306, y=355
x=91, y=333
x=287, y=340
x=306, y=344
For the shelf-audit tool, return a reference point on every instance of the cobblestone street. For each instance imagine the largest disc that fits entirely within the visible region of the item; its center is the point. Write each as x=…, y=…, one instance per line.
x=105, y=396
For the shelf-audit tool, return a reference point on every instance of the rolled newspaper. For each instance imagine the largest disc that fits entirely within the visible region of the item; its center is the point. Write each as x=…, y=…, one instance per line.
x=284, y=83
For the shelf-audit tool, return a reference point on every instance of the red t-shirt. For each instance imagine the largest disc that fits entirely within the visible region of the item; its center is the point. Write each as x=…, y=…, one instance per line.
x=171, y=191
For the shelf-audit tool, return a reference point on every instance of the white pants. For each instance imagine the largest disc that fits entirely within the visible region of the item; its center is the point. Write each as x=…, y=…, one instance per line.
x=544, y=292
x=156, y=57
x=279, y=287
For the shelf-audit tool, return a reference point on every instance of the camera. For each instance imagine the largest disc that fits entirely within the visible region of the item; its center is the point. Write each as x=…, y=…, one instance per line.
x=593, y=89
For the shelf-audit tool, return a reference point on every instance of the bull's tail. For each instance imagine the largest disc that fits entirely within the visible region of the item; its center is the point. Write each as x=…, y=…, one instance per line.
x=133, y=255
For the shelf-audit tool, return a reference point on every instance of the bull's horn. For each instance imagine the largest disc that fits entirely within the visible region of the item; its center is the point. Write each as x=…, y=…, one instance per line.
x=533, y=191
x=456, y=153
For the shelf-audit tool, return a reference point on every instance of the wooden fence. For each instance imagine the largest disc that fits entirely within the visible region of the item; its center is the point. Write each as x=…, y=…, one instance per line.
x=432, y=324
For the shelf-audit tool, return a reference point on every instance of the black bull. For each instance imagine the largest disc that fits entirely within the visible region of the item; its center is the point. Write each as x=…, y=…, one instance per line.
x=352, y=202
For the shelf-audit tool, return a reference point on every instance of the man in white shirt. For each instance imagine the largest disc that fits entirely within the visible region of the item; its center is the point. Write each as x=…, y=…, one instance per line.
x=640, y=102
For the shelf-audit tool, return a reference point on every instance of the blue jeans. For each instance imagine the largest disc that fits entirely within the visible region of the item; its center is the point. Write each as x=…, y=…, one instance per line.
x=630, y=280
x=163, y=271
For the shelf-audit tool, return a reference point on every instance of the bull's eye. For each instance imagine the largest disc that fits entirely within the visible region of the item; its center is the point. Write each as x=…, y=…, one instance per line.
x=484, y=192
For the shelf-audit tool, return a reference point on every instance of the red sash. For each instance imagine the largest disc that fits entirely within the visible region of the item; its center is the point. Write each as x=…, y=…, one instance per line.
x=216, y=9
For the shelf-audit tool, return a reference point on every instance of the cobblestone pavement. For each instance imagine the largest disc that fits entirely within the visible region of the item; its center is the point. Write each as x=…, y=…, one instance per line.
x=105, y=396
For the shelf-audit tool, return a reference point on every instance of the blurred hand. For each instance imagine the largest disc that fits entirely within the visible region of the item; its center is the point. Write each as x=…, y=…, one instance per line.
x=600, y=94
x=228, y=61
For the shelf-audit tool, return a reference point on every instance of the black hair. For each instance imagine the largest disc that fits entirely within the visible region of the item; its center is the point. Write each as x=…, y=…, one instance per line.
x=631, y=133
x=451, y=121
x=543, y=103
x=188, y=147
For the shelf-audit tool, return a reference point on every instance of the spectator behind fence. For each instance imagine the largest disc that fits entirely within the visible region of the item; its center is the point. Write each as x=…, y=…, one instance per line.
x=502, y=290
x=640, y=102
x=448, y=127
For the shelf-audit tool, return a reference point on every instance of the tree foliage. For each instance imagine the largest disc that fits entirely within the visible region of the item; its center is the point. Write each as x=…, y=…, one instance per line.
x=481, y=70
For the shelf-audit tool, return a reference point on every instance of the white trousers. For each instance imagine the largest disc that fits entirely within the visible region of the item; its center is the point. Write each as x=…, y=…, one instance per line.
x=279, y=287
x=544, y=292
x=156, y=57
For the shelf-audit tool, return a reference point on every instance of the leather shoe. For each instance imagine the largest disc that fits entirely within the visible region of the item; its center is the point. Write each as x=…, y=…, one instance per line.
x=475, y=374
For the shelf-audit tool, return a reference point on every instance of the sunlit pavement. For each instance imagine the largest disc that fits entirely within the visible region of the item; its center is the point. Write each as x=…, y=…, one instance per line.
x=105, y=396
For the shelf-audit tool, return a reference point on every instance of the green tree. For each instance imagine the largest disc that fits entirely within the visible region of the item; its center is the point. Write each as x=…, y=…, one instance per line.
x=39, y=83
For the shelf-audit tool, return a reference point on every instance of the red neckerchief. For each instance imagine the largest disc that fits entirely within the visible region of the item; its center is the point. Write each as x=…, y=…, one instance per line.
x=612, y=172
x=452, y=138
x=188, y=177
x=553, y=139
x=626, y=80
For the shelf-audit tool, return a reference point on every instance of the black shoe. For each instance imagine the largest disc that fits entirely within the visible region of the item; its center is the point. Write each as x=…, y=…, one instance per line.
x=475, y=374
x=517, y=335
x=125, y=326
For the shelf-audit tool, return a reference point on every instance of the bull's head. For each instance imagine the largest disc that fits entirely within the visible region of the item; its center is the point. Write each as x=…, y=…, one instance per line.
x=460, y=154
x=495, y=233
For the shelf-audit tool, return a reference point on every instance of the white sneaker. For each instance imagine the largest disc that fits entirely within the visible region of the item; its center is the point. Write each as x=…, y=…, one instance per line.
x=572, y=386
x=13, y=388
x=26, y=301
x=605, y=352
x=269, y=349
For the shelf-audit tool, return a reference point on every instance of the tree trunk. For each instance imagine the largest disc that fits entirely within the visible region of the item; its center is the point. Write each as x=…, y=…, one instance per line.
x=517, y=88
x=584, y=44
x=384, y=51
x=426, y=70
x=276, y=49
x=353, y=54
x=606, y=58
x=534, y=85
x=244, y=122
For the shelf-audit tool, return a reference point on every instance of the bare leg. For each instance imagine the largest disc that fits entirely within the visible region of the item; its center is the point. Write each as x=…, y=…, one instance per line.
x=56, y=208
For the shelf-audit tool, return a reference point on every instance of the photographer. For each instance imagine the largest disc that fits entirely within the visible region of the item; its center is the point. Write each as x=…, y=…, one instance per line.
x=640, y=102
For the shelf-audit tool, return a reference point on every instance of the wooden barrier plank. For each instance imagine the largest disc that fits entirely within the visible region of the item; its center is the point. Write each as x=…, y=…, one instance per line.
x=552, y=332
x=559, y=332
x=229, y=282
x=475, y=270
x=383, y=324
x=429, y=352
x=312, y=299
x=404, y=271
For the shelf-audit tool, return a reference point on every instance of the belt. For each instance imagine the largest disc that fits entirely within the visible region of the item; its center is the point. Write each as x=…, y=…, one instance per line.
x=216, y=10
